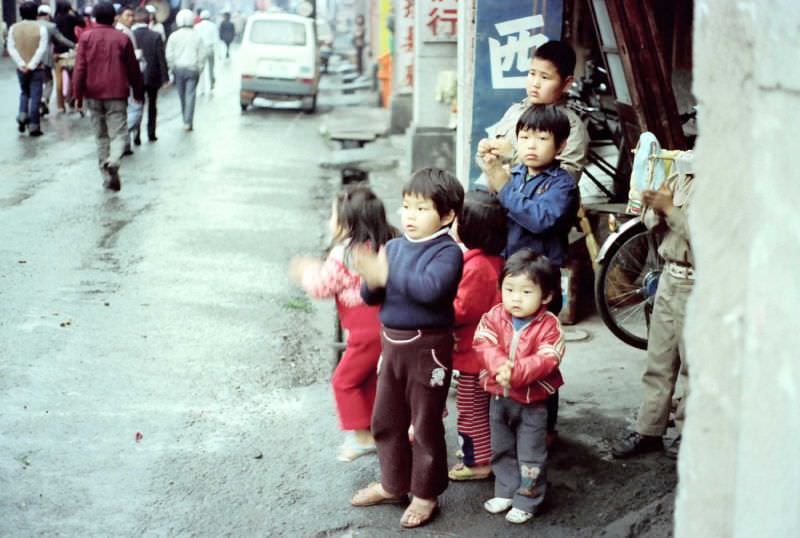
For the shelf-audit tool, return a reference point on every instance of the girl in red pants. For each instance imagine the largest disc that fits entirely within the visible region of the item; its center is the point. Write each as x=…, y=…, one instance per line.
x=357, y=218
x=481, y=230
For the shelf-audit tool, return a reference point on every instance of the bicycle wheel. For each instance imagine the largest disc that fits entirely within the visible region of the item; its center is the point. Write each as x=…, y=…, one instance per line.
x=625, y=286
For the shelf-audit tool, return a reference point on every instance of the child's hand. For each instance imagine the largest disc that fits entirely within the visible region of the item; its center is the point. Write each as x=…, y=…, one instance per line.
x=503, y=376
x=299, y=265
x=489, y=153
x=373, y=268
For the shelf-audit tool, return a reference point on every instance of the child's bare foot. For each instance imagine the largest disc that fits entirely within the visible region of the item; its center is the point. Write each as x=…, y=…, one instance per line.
x=419, y=512
x=460, y=472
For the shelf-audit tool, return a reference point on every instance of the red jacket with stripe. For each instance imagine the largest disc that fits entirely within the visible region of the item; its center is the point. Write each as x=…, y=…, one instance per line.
x=535, y=351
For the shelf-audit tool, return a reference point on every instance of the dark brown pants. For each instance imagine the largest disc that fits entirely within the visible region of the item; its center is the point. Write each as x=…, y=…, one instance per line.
x=413, y=380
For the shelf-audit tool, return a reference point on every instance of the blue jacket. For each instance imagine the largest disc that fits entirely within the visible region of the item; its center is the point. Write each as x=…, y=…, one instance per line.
x=541, y=211
x=422, y=284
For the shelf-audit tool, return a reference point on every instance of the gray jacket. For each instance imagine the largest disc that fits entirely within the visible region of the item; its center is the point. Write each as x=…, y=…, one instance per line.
x=55, y=35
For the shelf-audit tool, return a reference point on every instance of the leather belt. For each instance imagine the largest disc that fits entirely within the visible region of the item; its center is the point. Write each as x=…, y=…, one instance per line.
x=680, y=271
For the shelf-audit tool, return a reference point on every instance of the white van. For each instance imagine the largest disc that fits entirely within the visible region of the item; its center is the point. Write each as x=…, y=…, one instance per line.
x=279, y=59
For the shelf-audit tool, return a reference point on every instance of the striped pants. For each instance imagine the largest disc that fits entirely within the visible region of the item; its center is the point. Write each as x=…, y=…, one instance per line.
x=474, y=436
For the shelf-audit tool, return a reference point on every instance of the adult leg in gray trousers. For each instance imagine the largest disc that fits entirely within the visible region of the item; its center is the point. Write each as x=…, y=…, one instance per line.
x=186, y=82
x=110, y=122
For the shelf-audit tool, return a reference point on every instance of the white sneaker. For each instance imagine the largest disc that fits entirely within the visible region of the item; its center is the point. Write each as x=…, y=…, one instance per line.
x=497, y=505
x=515, y=515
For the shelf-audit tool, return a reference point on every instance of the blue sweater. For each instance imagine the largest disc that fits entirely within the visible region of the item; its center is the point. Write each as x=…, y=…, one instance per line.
x=541, y=210
x=422, y=284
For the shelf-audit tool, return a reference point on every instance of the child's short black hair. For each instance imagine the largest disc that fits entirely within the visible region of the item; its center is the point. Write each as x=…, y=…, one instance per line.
x=547, y=118
x=482, y=223
x=560, y=55
x=537, y=267
x=439, y=186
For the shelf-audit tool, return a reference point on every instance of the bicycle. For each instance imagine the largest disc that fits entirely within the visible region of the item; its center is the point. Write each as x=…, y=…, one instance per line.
x=629, y=266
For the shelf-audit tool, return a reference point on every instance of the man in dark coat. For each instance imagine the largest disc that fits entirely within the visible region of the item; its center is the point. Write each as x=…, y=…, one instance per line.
x=227, y=32
x=154, y=69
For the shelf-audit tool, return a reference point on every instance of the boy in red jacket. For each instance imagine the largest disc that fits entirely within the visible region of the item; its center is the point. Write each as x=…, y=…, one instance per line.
x=521, y=345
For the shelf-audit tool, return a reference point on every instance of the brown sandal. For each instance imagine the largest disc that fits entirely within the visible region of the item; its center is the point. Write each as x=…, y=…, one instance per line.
x=415, y=517
x=374, y=494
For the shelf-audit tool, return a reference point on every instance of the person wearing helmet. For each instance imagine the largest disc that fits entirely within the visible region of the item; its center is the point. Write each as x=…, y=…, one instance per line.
x=209, y=34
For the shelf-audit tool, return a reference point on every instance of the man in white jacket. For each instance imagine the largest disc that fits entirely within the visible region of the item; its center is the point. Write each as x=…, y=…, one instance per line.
x=186, y=56
x=209, y=34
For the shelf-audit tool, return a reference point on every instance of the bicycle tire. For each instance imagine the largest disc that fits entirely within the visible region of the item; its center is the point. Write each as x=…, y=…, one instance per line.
x=625, y=285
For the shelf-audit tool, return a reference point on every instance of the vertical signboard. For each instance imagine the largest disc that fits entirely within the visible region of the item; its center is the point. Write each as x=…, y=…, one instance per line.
x=506, y=33
x=441, y=21
x=404, y=46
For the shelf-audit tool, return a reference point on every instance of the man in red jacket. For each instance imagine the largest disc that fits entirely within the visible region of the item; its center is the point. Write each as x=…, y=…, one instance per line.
x=105, y=70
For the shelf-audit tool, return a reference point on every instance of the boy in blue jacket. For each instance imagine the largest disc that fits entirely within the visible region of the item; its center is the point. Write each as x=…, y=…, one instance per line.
x=415, y=279
x=541, y=197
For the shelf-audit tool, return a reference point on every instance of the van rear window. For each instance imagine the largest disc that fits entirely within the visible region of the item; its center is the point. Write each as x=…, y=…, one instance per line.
x=278, y=33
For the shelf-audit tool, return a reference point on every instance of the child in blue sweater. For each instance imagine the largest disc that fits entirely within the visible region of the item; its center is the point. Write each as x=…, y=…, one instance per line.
x=414, y=279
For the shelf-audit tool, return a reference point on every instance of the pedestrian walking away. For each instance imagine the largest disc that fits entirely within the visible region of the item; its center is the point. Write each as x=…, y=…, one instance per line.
x=54, y=37
x=27, y=46
x=209, y=34
x=154, y=73
x=186, y=56
x=106, y=71
x=69, y=23
x=227, y=33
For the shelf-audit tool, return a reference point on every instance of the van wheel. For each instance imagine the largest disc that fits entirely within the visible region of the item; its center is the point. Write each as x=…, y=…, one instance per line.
x=311, y=107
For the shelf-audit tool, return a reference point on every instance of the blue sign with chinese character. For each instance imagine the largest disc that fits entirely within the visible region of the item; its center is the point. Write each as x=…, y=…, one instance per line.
x=506, y=33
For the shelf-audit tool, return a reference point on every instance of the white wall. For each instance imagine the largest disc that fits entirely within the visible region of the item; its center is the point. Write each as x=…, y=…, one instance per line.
x=740, y=466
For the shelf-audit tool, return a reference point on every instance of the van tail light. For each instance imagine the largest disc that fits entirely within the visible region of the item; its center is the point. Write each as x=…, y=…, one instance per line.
x=247, y=77
x=305, y=80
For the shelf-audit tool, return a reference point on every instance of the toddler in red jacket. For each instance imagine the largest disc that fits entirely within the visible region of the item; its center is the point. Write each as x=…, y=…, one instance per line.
x=521, y=345
x=480, y=229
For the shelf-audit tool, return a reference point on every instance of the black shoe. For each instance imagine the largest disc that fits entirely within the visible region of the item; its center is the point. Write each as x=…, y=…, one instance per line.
x=137, y=141
x=152, y=138
x=112, y=181
x=37, y=132
x=674, y=448
x=44, y=109
x=21, y=126
x=127, y=152
x=635, y=444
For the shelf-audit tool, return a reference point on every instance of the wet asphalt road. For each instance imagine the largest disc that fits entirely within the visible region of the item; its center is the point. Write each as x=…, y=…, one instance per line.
x=160, y=377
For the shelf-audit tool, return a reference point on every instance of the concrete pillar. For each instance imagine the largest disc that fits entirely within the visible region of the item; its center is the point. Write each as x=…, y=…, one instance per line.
x=435, y=36
x=739, y=467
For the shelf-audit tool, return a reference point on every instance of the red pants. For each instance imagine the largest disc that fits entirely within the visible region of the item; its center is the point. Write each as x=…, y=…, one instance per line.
x=472, y=403
x=413, y=381
x=355, y=378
